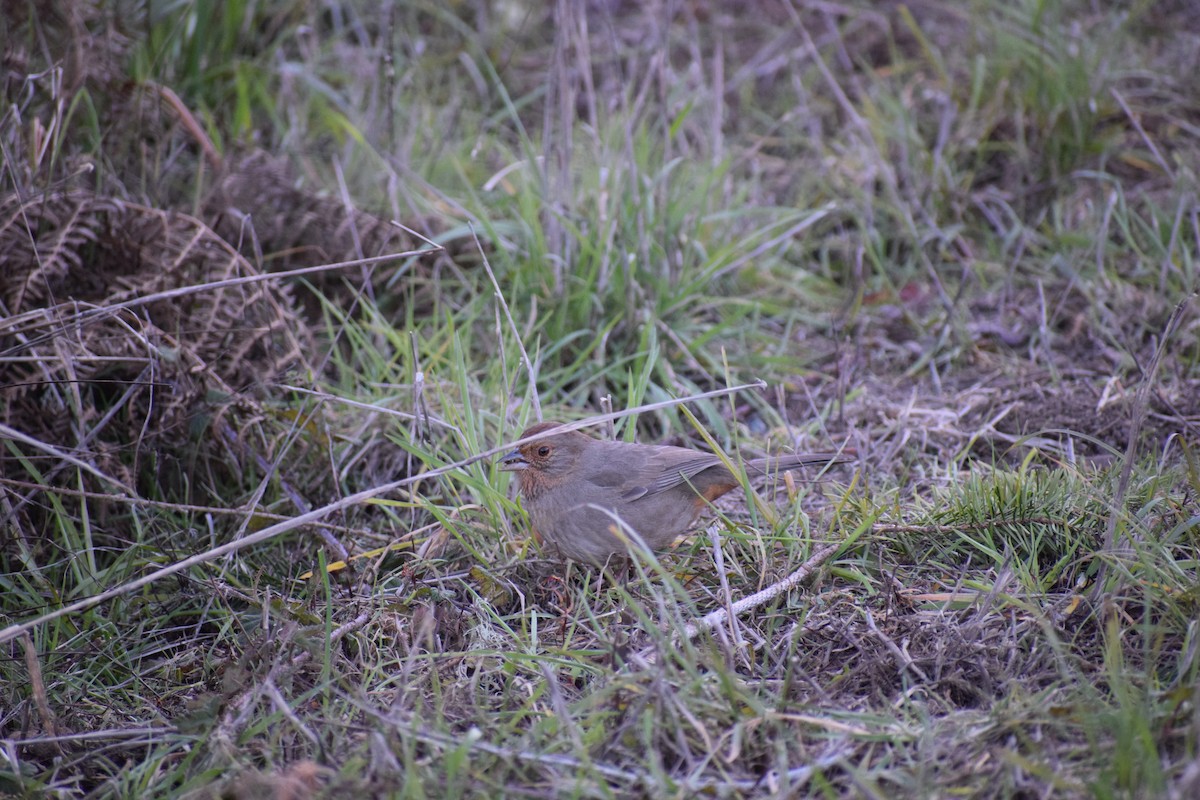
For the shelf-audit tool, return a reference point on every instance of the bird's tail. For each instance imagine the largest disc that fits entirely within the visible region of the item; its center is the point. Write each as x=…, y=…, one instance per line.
x=763, y=466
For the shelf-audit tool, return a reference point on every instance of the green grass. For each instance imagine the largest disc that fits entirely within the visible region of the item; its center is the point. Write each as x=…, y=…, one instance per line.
x=950, y=237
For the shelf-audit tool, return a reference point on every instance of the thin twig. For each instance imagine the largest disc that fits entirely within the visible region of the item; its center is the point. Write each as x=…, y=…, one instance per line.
x=426, y=417
x=346, y=502
x=903, y=660
x=282, y=706
x=717, y=618
x=43, y=314
x=714, y=532
x=16, y=435
x=177, y=507
x=690, y=785
x=152, y=734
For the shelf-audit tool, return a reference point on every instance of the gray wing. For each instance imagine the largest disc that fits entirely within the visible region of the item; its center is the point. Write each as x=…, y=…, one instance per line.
x=656, y=469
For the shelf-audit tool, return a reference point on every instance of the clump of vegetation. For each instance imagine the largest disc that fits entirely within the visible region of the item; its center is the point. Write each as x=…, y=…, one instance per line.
x=278, y=279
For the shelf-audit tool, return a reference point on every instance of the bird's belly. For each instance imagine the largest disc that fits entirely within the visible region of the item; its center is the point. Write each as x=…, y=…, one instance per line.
x=595, y=531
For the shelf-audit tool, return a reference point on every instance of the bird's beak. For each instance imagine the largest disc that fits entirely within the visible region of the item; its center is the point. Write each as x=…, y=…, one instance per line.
x=513, y=462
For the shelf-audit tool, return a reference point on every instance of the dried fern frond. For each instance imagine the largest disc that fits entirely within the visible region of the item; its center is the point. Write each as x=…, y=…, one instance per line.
x=98, y=353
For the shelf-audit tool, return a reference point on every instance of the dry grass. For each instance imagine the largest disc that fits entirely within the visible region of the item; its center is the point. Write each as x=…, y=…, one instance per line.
x=239, y=455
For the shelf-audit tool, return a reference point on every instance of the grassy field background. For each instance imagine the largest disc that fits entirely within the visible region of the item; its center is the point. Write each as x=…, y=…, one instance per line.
x=276, y=273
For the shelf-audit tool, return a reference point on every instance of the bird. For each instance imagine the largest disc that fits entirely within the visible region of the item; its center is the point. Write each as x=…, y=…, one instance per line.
x=575, y=489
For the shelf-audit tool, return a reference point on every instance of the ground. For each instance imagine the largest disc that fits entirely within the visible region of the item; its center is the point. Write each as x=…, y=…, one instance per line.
x=282, y=280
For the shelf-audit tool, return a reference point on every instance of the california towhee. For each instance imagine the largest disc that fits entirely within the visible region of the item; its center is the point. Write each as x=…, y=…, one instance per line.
x=574, y=485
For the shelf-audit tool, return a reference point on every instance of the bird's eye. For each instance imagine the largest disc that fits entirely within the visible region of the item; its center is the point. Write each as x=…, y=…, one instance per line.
x=544, y=451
